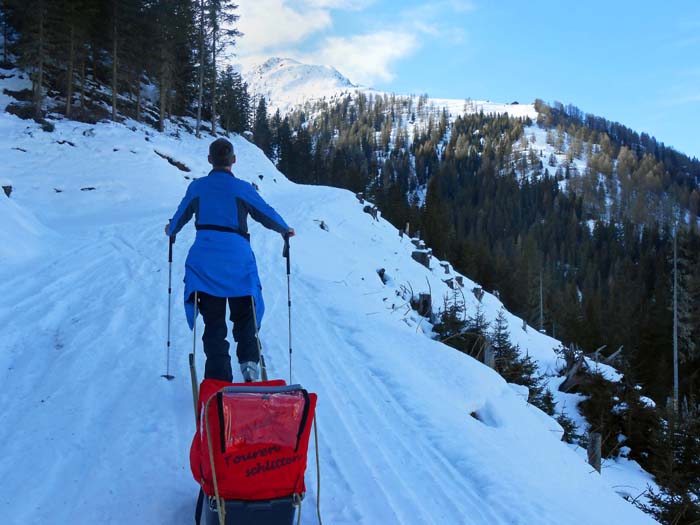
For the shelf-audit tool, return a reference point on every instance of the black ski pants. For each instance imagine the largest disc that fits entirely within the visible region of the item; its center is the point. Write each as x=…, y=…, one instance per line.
x=213, y=310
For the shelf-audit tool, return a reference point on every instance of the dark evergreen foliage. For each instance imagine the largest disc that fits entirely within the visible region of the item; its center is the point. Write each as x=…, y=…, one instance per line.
x=504, y=219
x=604, y=282
x=570, y=436
x=451, y=324
x=72, y=48
x=262, y=135
x=233, y=102
x=519, y=369
x=678, y=472
x=685, y=171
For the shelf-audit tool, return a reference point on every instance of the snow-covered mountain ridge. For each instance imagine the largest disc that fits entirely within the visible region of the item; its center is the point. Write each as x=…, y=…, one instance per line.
x=286, y=83
x=83, y=280
x=575, y=150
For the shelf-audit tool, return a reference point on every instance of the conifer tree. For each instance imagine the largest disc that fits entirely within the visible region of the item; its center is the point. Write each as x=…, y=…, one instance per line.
x=301, y=157
x=234, y=102
x=688, y=296
x=275, y=124
x=262, y=135
x=201, y=58
x=284, y=137
x=505, y=354
x=71, y=20
x=29, y=18
x=222, y=16
x=5, y=31
x=517, y=369
x=678, y=472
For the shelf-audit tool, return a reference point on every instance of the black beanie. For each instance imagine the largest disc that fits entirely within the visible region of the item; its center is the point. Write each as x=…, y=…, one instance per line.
x=221, y=153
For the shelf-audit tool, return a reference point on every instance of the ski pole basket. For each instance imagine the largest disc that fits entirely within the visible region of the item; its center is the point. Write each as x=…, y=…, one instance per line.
x=250, y=450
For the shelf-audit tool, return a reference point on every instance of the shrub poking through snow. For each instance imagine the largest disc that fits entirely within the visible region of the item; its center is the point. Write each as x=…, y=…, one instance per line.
x=518, y=369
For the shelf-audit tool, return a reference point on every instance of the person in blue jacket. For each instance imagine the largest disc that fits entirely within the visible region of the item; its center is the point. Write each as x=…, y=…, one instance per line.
x=220, y=265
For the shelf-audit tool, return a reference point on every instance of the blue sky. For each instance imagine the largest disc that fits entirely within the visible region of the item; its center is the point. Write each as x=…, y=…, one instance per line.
x=636, y=62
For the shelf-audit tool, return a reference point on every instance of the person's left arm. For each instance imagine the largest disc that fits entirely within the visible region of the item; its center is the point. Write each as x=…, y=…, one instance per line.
x=265, y=214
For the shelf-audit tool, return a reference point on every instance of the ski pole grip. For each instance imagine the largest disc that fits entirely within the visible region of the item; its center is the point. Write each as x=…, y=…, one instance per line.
x=171, y=241
x=285, y=253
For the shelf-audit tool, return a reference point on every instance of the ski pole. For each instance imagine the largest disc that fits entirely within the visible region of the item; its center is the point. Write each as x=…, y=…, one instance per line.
x=289, y=301
x=170, y=294
x=193, y=369
x=261, y=358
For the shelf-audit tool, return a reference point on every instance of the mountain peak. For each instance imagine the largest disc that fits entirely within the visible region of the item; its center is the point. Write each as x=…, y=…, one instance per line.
x=286, y=82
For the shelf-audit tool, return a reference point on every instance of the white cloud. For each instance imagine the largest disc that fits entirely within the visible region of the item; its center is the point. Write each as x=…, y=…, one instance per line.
x=452, y=34
x=285, y=27
x=462, y=6
x=439, y=9
x=270, y=24
x=347, y=5
x=368, y=58
x=436, y=19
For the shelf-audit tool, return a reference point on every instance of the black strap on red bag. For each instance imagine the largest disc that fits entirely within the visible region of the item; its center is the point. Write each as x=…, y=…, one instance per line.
x=199, y=508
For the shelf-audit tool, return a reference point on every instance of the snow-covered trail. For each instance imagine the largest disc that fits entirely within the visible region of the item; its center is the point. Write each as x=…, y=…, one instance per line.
x=90, y=429
x=92, y=434
x=83, y=386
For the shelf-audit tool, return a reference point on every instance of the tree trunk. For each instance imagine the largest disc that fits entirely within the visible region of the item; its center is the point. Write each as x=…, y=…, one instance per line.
x=675, y=324
x=138, y=97
x=93, y=60
x=163, y=89
x=71, y=60
x=82, y=81
x=213, y=87
x=163, y=98
x=201, y=66
x=130, y=86
x=114, y=61
x=4, y=38
x=39, y=93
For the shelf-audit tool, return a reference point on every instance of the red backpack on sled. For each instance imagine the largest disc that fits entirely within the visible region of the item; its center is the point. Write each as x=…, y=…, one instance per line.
x=249, y=452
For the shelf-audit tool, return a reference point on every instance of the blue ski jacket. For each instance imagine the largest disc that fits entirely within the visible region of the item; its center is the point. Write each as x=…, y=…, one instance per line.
x=221, y=261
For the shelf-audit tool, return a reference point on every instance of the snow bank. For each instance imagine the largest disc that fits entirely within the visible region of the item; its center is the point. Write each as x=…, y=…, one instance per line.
x=21, y=234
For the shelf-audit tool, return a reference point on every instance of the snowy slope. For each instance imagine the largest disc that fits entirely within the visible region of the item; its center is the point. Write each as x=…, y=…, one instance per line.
x=92, y=434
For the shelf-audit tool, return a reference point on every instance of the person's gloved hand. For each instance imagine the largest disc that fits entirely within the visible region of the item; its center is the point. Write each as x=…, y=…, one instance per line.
x=167, y=232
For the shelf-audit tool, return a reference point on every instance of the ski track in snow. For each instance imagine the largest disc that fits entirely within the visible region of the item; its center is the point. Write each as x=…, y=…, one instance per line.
x=92, y=434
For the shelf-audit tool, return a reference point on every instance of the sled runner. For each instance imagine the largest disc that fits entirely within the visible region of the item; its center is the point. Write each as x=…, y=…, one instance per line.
x=249, y=452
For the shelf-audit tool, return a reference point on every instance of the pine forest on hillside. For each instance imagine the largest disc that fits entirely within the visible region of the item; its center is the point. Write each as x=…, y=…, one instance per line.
x=91, y=54
x=511, y=220
x=596, y=244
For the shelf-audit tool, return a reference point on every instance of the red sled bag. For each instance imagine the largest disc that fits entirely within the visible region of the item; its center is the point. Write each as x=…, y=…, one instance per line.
x=251, y=441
